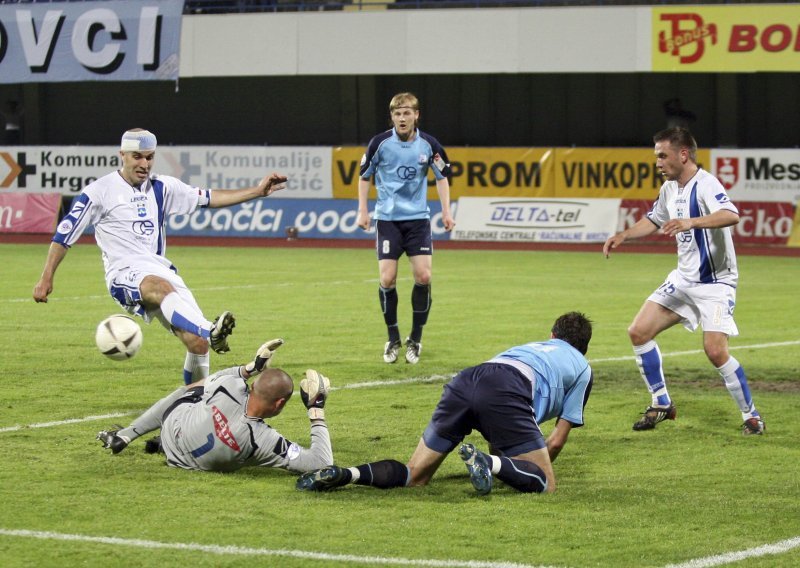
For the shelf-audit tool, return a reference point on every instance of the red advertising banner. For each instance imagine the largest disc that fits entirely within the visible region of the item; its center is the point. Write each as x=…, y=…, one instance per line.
x=29, y=212
x=760, y=222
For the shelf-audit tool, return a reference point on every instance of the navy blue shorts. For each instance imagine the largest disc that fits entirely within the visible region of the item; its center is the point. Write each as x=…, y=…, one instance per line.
x=393, y=238
x=492, y=398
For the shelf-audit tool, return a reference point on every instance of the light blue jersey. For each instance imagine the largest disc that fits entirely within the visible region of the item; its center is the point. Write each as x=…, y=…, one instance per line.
x=563, y=378
x=401, y=173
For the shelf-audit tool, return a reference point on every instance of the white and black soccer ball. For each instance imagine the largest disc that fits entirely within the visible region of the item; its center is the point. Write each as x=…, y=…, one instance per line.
x=118, y=337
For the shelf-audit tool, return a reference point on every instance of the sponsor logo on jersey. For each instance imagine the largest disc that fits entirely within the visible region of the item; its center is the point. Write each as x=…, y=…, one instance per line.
x=222, y=430
x=722, y=198
x=65, y=226
x=145, y=228
x=406, y=173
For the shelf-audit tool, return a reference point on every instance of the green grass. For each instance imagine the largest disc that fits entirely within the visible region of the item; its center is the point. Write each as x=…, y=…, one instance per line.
x=690, y=489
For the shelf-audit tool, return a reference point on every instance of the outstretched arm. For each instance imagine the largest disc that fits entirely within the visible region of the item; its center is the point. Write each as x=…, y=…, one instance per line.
x=641, y=228
x=44, y=286
x=227, y=197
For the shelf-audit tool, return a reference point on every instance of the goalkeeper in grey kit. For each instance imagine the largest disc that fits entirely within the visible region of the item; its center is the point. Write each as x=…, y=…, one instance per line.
x=216, y=424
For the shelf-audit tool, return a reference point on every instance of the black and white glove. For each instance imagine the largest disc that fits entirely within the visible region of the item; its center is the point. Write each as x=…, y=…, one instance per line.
x=263, y=356
x=314, y=391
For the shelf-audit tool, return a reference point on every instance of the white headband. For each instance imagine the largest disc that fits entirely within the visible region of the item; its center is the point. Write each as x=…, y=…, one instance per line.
x=138, y=141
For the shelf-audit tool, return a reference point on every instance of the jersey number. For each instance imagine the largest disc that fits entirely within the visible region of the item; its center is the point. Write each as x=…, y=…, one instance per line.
x=205, y=448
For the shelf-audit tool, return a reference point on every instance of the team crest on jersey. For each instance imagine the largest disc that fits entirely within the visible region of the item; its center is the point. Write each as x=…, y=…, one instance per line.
x=140, y=202
x=423, y=159
x=727, y=171
x=222, y=430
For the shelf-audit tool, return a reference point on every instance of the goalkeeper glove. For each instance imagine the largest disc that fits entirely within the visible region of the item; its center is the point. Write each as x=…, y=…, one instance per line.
x=263, y=356
x=314, y=391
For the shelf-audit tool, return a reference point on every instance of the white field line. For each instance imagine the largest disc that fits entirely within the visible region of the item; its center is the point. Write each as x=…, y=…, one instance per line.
x=195, y=289
x=696, y=351
x=718, y=560
x=246, y=551
x=67, y=421
x=371, y=384
x=730, y=557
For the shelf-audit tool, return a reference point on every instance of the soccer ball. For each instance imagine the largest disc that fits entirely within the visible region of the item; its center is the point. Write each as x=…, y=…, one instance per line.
x=118, y=337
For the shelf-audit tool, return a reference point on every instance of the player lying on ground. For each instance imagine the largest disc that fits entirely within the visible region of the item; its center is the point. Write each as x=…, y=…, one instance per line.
x=216, y=424
x=504, y=399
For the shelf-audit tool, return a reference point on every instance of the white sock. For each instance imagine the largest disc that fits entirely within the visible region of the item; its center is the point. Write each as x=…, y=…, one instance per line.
x=184, y=316
x=195, y=367
x=736, y=383
x=356, y=474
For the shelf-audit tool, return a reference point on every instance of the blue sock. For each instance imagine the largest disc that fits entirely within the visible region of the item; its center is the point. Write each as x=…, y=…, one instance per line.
x=736, y=383
x=648, y=358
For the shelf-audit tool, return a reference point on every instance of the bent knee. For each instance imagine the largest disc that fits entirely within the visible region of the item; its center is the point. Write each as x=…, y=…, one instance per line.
x=638, y=335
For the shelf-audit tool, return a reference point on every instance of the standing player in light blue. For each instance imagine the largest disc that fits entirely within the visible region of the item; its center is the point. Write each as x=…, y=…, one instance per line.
x=693, y=207
x=129, y=209
x=399, y=159
x=505, y=399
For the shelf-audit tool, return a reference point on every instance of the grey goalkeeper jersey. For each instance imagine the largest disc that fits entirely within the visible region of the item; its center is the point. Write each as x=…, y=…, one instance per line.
x=215, y=434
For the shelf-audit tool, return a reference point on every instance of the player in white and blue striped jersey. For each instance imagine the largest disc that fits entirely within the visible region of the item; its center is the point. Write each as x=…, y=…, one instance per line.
x=129, y=209
x=693, y=207
x=400, y=159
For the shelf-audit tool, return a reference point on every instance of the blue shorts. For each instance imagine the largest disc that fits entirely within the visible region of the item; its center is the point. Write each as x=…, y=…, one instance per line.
x=492, y=398
x=393, y=238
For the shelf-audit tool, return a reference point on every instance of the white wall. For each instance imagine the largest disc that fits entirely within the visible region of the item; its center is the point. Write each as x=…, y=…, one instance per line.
x=509, y=40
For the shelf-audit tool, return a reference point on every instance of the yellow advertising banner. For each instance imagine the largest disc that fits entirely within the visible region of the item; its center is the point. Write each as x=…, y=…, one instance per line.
x=627, y=173
x=476, y=172
x=726, y=38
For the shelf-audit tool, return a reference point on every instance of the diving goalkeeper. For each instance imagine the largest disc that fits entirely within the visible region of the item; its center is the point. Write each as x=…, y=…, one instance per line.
x=217, y=423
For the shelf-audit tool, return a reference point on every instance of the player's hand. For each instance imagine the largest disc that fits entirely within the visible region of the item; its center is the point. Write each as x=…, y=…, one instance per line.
x=41, y=290
x=363, y=220
x=675, y=226
x=272, y=183
x=448, y=222
x=314, y=391
x=263, y=356
x=613, y=242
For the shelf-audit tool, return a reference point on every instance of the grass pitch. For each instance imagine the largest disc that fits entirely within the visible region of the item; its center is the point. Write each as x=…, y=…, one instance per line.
x=691, y=489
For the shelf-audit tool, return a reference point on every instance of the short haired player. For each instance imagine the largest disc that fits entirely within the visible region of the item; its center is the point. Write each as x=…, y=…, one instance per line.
x=505, y=399
x=129, y=209
x=217, y=423
x=693, y=207
x=400, y=159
